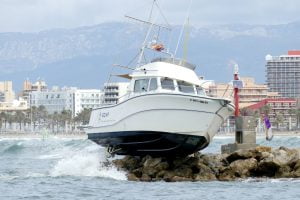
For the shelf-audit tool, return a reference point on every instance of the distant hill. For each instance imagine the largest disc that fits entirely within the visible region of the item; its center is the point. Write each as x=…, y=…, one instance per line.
x=83, y=56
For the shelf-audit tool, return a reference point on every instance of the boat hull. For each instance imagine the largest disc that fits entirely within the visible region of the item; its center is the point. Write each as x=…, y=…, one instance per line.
x=141, y=143
x=158, y=124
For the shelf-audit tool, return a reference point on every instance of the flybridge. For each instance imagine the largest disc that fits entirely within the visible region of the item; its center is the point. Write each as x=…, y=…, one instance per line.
x=175, y=61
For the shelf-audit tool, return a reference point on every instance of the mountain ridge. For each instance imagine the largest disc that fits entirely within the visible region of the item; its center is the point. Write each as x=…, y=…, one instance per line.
x=83, y=56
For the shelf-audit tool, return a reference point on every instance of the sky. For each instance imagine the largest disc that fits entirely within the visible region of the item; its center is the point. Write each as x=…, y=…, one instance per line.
x=37, y=15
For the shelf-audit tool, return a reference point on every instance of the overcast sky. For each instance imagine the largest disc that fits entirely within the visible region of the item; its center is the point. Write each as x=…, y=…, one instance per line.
x=36, y=15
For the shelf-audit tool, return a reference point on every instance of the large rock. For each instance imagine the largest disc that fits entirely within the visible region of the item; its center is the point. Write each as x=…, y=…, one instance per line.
x=296, y=170
x=132, y=177
x=285, y=156
x=180, y=179
x=259, y=153
x=243, y=168
x=284, y=171
x=267, y=167
x=128, y=162
x=256, y=162
x=239, y=155
x=205, y=173
x=152, y=166
x=183, y=171
x=226, y=174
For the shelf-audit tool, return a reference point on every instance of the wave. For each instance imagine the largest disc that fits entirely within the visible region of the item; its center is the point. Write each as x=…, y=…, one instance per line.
x=59, y=157
x=12, y=148
x=89, y=161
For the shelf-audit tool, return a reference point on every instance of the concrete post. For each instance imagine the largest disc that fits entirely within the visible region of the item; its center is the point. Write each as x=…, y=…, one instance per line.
x=245, y=135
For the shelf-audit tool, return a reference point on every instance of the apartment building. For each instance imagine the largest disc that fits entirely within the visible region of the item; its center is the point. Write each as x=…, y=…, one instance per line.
x=283, y=74
x=114, y=92
x=73, y=99
x=251, y=92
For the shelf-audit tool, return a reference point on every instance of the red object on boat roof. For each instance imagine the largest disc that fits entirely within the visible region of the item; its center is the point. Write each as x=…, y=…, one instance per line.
x=294, y=53
x=158, y=47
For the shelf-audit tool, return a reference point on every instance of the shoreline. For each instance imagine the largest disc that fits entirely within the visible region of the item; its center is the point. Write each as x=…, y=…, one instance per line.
x=82, y=135
x=42, y=136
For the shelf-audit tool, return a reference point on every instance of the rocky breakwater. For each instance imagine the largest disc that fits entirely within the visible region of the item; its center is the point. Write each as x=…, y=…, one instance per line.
x=257, y=162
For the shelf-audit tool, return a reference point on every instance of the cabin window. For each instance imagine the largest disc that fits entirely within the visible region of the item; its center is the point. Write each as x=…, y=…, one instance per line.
x=200, y=90
x=141, y=85
x=153, y=84
x=167, y=83
x=185, y=87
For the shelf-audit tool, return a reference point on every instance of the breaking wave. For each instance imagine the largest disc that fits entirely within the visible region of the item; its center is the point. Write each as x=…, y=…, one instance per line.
x=59, y=157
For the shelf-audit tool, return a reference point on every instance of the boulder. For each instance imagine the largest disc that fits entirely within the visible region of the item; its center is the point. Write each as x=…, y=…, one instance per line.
x=213, y=162
x=132, y=177
x=151, y=162
x=183, y=171
x=205, y=173
x=180, y=179
x=267, y=167
x=145, y=178
x=296, y=170
x=239, y=155
x=284, y=172
x=153, y=168
x=128, y=162
x=168, y=175
x=285, y=156
x=243, y=168
x=137, y=172
x=226, y=174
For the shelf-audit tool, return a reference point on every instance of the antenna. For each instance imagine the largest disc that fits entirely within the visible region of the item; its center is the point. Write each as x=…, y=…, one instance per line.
x=181, y=32
x=186, y=39
x=153, y=45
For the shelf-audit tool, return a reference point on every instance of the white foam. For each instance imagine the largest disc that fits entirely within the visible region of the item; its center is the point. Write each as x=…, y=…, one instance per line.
x=86, y=164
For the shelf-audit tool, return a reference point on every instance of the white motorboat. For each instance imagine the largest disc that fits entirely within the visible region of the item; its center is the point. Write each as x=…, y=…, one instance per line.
x=165, y=112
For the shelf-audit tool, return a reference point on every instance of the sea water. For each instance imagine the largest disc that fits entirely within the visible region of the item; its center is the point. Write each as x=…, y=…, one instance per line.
x=56, y=168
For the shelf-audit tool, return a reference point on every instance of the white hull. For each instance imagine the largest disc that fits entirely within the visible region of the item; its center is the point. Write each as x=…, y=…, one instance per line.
x=163, y=112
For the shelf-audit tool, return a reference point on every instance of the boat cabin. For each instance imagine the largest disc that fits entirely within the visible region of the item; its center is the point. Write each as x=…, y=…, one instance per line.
x=165, y=84
x=166, y=75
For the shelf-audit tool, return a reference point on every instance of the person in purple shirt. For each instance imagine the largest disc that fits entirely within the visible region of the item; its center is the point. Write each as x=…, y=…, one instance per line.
x=267, y=123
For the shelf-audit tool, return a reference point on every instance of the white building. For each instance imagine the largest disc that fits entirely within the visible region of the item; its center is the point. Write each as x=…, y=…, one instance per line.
x=57, y=100
x=113, y=92
x=283, y=74
x=91, y=98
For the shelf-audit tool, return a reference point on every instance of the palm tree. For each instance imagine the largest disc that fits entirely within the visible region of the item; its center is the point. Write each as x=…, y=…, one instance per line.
x=9, y=119
x=41, y=114
x=19, y=117
x=66, y=116
x=3, y=118
x=54, y=119
x=266, y=109
x=279, y=119
x=84, y=116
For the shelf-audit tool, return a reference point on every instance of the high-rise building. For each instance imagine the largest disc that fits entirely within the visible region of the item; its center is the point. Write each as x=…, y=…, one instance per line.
x=114, y=92
x=7, y=98
x=6, y=91
x=283, y=74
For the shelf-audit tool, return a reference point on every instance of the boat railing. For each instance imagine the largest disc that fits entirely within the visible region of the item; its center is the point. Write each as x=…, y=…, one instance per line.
x=175, y=61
